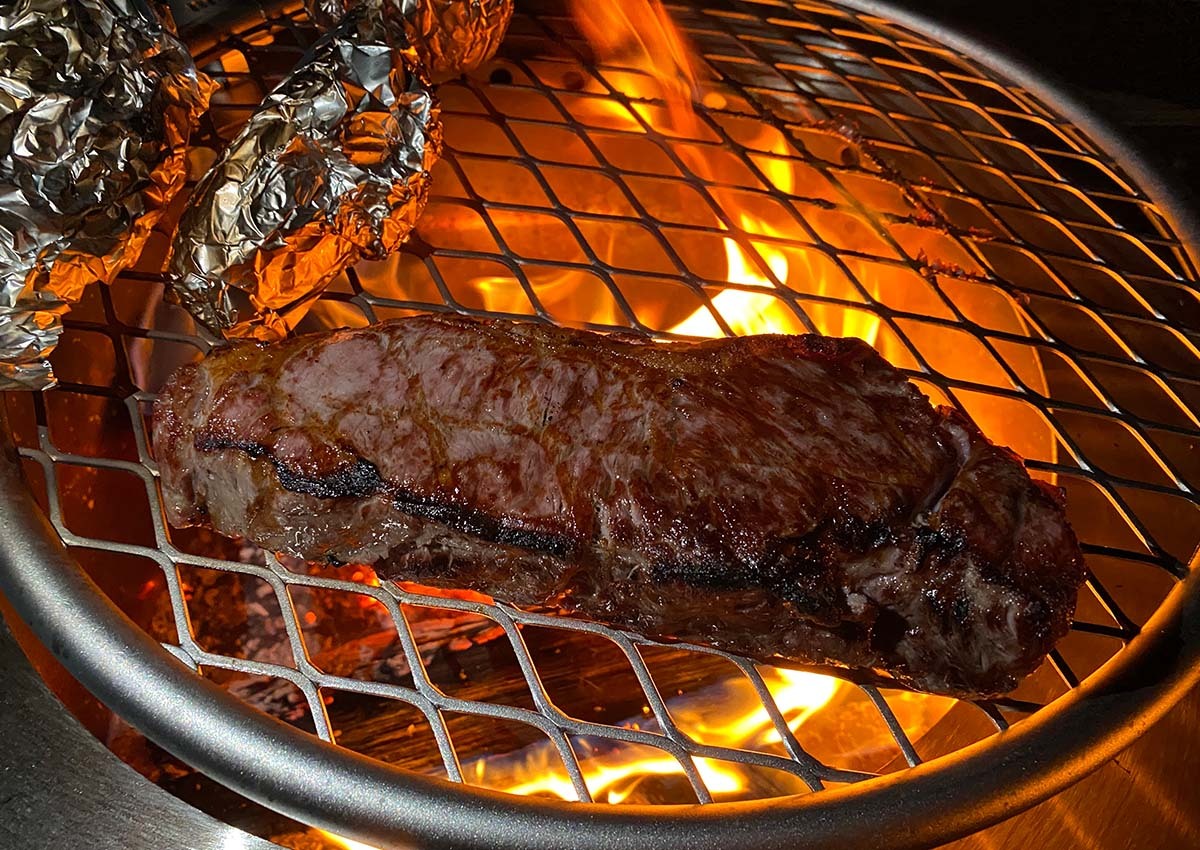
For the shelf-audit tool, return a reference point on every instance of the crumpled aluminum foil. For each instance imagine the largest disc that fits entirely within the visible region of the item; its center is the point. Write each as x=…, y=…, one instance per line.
x=452, y=37
x=333, y=166
x=97, y=102
x=449, y=37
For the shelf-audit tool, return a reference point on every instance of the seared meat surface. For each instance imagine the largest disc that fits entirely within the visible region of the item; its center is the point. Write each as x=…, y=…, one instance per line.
x=782, y=497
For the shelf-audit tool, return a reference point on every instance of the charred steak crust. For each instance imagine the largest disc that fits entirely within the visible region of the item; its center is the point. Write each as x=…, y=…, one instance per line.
x=783, y=497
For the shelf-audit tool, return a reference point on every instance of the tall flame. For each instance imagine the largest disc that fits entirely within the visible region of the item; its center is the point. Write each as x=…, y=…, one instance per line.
x=730, y=714
x=640, y=32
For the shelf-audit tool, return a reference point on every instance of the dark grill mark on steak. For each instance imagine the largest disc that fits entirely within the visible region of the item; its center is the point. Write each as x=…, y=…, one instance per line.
x=361, y=479
x=356, y=481
x=786, y=498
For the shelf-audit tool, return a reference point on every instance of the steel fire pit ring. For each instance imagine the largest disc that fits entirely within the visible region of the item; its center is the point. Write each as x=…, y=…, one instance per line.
x=337, y=790
x=332, y=788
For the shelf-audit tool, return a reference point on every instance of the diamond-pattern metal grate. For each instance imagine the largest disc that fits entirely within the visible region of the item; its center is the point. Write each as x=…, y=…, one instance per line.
x=869, y=181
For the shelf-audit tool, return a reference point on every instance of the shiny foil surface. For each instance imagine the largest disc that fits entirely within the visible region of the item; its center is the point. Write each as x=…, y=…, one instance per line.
x=332, y=167
x=98, y=100
x=452, y=37
x=448, y=37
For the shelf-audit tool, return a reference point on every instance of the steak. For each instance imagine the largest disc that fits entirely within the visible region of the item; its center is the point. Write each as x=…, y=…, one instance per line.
x=788, y=498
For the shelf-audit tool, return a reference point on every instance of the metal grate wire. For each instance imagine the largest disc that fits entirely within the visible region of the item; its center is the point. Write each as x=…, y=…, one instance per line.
x=976, y=225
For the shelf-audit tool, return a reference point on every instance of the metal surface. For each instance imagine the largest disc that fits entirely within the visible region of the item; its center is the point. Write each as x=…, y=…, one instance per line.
x=1178, y=203
x=307, y=207
x=48, y=757
x=1011, y=290
x=294, y=773
x=1140, y=799
x=100, y=102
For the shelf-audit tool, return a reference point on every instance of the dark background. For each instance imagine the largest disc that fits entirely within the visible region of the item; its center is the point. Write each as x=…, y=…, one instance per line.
x=1135, y=62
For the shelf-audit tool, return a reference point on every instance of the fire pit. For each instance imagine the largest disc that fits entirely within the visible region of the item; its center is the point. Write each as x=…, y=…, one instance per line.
x=843, y=173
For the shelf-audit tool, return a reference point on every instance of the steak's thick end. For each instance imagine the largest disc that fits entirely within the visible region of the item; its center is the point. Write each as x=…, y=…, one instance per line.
x=786, y=498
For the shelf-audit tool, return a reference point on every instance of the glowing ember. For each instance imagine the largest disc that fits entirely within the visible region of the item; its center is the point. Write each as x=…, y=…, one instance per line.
x=365, y=575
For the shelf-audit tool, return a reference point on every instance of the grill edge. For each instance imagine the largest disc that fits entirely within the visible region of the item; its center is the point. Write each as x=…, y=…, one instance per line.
x=335, y=789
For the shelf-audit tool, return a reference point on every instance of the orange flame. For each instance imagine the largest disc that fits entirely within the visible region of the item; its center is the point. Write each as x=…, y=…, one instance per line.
x=640, y=32
x=764, y=313
x=798, y=696
x=746, y=312
x=613, y=779
x=348, y=843
x=613, y=776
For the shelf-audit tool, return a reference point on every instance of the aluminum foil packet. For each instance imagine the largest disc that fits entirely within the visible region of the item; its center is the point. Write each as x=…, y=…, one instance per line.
x=448, y=37
x=452, y=37
x=332, y=167
x=98, y=100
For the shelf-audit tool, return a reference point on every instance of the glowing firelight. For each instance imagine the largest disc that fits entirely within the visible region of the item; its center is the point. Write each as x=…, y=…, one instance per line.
x=798, y=696
x=730, y=714
x=640, y=33
x=348, y=843
x=745, y=312
x=605, y=781
x=763, y=268
x=612, y=777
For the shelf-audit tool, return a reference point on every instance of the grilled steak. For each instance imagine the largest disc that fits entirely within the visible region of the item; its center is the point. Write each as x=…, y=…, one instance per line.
x=782, y=497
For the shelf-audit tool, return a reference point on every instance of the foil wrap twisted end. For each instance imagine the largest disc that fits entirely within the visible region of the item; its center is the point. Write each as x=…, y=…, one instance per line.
x=448, y=37
x=98, y=100
x=332, y=167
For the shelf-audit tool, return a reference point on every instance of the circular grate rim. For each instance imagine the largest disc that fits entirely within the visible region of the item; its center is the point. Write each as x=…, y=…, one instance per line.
x=47, y=454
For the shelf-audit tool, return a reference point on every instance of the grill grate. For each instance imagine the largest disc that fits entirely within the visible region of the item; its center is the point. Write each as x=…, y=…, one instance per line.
x=986, y=245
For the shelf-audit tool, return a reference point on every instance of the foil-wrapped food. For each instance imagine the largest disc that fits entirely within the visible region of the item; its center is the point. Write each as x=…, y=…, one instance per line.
x=98, y=100
x=332, y=167
x=452, y=37
x=447, y=37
